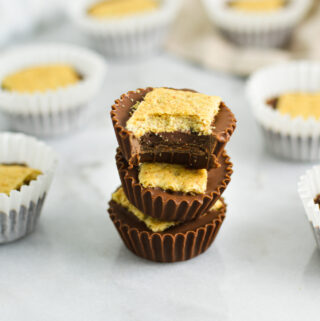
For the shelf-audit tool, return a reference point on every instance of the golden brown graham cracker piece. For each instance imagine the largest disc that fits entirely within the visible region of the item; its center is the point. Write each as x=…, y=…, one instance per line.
x=173, y=177
x=121, y=8
x=169, y=110
x=257, y=5
x=12, y=177
x=41, y=78
x=300, y=104
x=217, y=206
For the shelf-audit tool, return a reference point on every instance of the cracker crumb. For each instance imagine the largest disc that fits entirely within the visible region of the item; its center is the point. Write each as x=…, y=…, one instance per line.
x=217, y=206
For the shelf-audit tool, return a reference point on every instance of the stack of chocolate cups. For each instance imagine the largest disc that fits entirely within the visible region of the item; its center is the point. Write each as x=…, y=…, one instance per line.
x=161, y=224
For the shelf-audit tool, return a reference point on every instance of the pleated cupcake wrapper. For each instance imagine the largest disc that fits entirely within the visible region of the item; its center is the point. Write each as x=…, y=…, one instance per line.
x=254, y=29
x=20, y=210
x=132, y=44
x=52, y=112
x=125, y=137
x=57, y=124
x=291, y=138
x=168, y=247
x=18, y=224
x=168, y=209
x=309, y=188
x=262, y=39
x=129, y=36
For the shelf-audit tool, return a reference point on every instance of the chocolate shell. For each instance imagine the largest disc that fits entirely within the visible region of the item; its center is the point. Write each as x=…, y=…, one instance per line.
x=173, y=206
x=178, y=243
x=188, y=149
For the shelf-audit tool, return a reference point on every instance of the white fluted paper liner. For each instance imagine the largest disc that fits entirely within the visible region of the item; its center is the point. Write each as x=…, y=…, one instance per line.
x=53, y=112
x=309, y=188
x=135, y=35
x=271, y=29
x=19, y=212
x=291, y=138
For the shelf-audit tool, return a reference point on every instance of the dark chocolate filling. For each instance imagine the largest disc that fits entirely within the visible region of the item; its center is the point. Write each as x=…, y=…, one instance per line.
x=14, y=164
x=317, y=200
x=273, y=102
x=190, y=149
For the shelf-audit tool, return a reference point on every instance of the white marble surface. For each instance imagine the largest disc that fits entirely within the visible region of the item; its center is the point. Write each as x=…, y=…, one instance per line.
x=263, y=266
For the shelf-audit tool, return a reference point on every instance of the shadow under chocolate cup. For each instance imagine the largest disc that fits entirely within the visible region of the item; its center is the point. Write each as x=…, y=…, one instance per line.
x=173, y=206
x=178, y=243
x=189, y=149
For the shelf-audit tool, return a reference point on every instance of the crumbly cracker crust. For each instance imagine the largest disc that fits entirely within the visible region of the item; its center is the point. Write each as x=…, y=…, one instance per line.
x=41, y=78
x=121, y=8
x=169, y=110
x=173, y=177
x=12, y=177
x=257, y=5
x=304, y=105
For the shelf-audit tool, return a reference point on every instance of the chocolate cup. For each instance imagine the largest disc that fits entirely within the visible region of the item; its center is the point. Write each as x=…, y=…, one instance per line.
x=178, y=243
x=173, y=206
x=202, y=151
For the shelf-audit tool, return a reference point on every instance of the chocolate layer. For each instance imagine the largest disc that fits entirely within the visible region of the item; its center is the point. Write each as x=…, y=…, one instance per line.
x=189, y=149
x=317, y=200
x=173, y=206
x=178, y=243
x=273, y=102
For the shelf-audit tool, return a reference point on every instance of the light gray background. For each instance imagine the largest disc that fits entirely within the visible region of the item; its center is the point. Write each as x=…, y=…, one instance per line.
x=263, y=266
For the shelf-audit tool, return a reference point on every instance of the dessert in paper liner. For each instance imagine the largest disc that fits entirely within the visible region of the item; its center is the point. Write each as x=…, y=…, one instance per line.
x=120, y=113
x=139, y=34
x=309, y=188
x=257, y=29
x=175, y=244
x=166, y=206
x=53, y=112
x=19, y=211
x=291, y=138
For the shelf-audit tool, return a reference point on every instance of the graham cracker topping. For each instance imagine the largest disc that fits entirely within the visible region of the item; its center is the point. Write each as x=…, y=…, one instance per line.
x=41, y=78
x=12, y=177
x=300, y=104
x=173, y=177
x=169, y=110
x=121, y=8
x=257, y=5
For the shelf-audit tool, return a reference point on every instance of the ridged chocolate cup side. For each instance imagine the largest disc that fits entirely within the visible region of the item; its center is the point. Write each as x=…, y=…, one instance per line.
x=168, y=246
x=173, y=206
x=129, y=143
